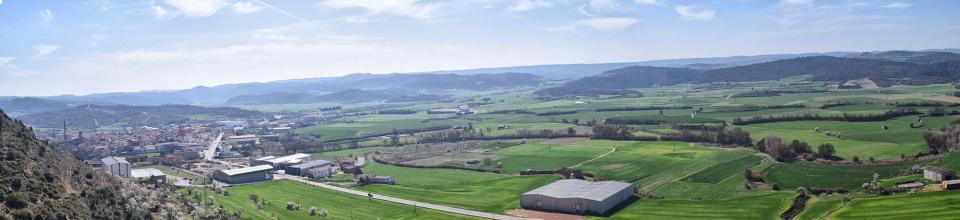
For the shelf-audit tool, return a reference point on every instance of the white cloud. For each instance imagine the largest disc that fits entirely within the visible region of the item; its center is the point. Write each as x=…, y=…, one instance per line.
x=695, y=13
x=526, y=5
x=409, y=8
x=197, y=8
x=162, y=13
x=797, y=2
x=5, y=60
x=44, y=49
x=1, y=2
x=649, y=2
x=608, y=24
x=46, y=16
x=605, y=5
x=897, y=5
x=246, y=7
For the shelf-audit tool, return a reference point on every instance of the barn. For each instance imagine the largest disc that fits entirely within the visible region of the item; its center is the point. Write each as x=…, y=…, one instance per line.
x=244, y=175
x=578, y=196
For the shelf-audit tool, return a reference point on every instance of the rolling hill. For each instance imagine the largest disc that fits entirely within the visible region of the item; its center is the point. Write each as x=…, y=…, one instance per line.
x=94, y=116
x=29, y=105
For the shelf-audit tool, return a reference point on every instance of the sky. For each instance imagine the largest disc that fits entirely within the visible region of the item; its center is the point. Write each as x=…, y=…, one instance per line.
x=80, y=47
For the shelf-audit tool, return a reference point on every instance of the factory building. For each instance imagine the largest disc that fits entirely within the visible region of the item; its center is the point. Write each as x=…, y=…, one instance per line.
x=578, y=196
x=151, y=174
x=281, y=162
x=116, y=166
x=303, y=168
x=244, y=175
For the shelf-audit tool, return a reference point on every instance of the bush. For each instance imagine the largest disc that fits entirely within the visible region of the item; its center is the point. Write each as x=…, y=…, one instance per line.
x=312, y=211
x=254, y=198
x=293, y=206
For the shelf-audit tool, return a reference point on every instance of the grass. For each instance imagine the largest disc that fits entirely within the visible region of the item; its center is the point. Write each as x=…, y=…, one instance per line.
x=760, y=206
x=340, y=205
x=548, y=156
x=818, y=207
x=931, y=205
x=719, y=172
x=479, y=191
x=797, y=174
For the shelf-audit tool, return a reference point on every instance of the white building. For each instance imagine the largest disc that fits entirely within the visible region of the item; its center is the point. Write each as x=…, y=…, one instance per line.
x=116, y=166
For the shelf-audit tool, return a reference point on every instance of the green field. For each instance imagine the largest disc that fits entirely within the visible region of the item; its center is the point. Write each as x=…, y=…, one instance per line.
x=818, y=207
x=340, y=205
x=760, y=206
x=793, y=175
x=549, y=156
x=719, y=172
x=932, y=205
x=479, y=191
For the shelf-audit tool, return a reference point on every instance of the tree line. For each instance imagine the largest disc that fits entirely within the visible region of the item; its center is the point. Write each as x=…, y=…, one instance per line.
x=848, y=117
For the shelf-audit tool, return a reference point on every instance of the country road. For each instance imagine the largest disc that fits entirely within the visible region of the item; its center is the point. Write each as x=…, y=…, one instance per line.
x=402, y=201
x=212, y=148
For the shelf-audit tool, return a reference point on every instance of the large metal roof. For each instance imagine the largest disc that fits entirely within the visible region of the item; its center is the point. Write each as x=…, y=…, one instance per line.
x=283, y=159
x=576, y=188
x=311, y=164
x=237, y=171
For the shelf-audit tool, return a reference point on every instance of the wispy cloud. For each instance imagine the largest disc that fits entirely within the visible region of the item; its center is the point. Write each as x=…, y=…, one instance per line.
x=197, y=8
x=649, y=2
x=897, y=5
x=5, y=60
x=46, y=16
x=695, y=13
x=526, y=5
x=608, y=24
x=41, y=50
x=246, y=7
x=408, y=8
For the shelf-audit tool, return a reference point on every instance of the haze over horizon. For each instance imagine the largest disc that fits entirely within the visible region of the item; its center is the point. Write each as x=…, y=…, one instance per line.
x=82, y=47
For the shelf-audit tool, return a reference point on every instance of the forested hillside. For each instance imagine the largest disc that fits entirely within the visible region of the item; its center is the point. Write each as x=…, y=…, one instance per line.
x=93, y=116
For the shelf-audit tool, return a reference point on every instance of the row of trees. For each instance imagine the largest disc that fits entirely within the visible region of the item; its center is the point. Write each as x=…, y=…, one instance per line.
x=816, y=117
x=944, y=141
x=712, y=134
x=776, y=148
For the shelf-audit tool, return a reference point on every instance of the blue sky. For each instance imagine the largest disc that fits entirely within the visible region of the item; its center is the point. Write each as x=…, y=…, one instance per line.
x=81, y=47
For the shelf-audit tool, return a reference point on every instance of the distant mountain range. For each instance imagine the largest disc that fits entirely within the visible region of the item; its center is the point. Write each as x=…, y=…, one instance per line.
x=94, y=116
x=884, y=68
x=344, y=96
x=312, y=89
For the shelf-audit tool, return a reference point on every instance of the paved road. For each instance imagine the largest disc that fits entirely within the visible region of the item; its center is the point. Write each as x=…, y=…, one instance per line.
x=403, y=201
x=208, y=154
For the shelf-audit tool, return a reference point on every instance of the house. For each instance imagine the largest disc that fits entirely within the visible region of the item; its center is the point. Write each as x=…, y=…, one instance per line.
x=116, y=166
x=351, y=169
x=149, y=174
x=578, y=196
x=937, y=174
x=244, y=175
x=950, y=184
x=243, y=139
x=301, y=169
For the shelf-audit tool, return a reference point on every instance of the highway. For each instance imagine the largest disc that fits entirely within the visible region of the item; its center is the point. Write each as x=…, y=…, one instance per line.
x=402, y=201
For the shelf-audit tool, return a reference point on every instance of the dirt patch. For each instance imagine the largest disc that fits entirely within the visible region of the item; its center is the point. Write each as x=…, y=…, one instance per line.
x=863, y=83
x=563, y=140
x=613, y=166
x=542, y=215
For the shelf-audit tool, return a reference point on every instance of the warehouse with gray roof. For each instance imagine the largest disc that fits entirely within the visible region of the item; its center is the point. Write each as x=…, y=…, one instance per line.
x=578, y=196
x=244, y=175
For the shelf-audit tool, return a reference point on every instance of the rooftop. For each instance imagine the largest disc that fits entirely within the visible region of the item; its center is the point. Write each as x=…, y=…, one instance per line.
x=147, y=172
x=314, y=163
x=282, y=159
x=575, y=188
x=113, y=160
x=237, y=171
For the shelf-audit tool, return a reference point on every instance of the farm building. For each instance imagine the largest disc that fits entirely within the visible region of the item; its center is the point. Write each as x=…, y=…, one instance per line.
x=244, y=175
x=301, y=169
x=116, y=166
x=243, y=139
x=950, y=184
x=937, y=174
x=321, y=172
x=578, y=196
x=280, y=162
x=151, y=174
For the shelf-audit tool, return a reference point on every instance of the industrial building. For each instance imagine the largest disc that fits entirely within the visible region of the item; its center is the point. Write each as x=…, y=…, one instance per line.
x=116, y=166
x=937, y=174
x=281, y=162
x=151, y=174
x=303, y=168
x=244, y=175
x=578, y=196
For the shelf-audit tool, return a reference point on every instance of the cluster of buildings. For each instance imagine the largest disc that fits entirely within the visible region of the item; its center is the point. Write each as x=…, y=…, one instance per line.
x=945, y=179
x=118, y=166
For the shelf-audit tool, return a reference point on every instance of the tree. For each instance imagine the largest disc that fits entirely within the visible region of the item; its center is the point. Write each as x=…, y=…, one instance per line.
x=856, y=159
x=826, y=151
x=775, y=147
x=571, y=131
x=254, y=198
x=800, y=147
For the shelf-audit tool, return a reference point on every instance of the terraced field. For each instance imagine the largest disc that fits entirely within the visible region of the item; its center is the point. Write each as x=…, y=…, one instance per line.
x=933, y=205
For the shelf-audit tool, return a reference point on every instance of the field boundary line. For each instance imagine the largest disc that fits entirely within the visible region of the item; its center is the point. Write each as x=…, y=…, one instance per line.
x=612, y=149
